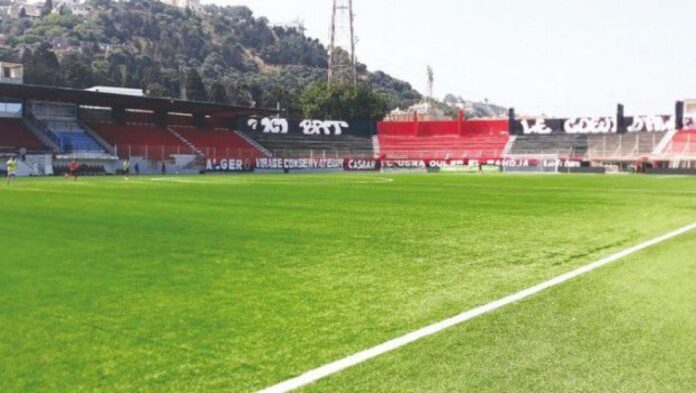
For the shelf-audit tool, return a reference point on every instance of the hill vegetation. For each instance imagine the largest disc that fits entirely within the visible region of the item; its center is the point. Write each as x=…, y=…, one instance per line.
x=222, y=54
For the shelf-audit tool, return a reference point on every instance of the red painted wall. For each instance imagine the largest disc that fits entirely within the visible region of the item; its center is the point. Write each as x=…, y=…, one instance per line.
x=465, y=128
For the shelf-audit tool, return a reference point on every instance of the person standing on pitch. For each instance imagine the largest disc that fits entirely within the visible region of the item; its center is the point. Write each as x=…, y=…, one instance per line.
x=126, y=168
x=73, y=168
x=11, y=170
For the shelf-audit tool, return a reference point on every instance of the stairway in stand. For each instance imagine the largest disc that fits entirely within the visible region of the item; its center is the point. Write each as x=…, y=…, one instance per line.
x=508, y=145
x=375, y=146
x=185, y=141
x=255, y=144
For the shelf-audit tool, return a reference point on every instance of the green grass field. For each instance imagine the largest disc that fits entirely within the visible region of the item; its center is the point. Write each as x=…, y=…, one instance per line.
x=206, y=284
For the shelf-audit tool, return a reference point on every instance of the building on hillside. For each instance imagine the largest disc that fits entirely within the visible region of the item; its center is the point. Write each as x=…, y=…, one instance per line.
x=297, y=25
x=31, y=9
x=63, y=46
x=76, y=7
x=11, y=73
x=191, y=4
x=424, y=110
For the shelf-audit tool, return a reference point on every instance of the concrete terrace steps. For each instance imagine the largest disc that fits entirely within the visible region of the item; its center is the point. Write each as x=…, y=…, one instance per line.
x=42, y=132
x=255, y=144
x=376, y=146
x=184, y=140
x=104, y=144
x=669, y=136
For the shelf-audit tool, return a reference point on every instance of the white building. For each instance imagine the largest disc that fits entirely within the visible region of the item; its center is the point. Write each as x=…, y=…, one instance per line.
x=11, y=73
x=424, y=110
x=191, y=4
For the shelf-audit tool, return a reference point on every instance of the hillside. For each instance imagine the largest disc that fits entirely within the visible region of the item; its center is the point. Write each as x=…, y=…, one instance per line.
x=475, y=108
x=239, y=58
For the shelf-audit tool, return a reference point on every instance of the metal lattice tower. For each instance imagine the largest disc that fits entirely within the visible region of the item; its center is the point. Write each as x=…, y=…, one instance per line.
x=342, y=33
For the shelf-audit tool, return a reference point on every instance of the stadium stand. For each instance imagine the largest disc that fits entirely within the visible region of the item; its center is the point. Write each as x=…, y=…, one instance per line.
x=619, y=146
x=564, y=145
x=297, y=146
x=215, y=142
x=14, y=135
x=149, y=141
x=479, y=139
x=683, y=144
x=73, y=138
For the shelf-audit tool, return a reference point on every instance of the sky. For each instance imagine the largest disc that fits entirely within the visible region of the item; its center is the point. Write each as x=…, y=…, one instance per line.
x=552, y=57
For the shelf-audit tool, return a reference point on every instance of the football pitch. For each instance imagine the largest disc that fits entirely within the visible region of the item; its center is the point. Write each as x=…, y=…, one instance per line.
x=238, y=283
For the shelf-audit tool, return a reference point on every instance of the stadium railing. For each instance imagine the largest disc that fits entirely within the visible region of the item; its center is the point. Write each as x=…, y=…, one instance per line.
x=164, y=153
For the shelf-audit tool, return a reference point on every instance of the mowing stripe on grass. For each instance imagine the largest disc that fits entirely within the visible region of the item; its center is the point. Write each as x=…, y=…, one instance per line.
x=363, y=356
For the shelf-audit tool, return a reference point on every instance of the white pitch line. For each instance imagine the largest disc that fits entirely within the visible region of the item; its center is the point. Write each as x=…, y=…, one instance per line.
x=363, y=356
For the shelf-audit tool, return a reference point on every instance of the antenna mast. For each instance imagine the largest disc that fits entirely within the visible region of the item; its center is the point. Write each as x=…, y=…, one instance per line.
x=431, y=83
x=342, y=28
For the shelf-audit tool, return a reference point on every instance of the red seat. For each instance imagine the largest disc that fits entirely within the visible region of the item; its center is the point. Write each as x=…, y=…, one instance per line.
x=683, y=143
x=475, y=139
x=149, y=141
x=14, y=135
x=220, y=143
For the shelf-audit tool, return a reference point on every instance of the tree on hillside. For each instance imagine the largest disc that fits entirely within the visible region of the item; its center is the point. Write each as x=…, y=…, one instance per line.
x=41, y=66
x=343, y=102
x=47, y=7
x=217, y=93
x=142, y=42
x=77, y=71
x=194, y=90
x=156, y=90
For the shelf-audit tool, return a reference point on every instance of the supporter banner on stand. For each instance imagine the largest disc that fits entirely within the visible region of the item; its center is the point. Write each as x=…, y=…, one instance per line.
x=403, y=164
x=306, y=127
x=298, y=163
x=449, y=165
x=536, y=164
x=229, y=165
x=237, y=165
x=650, y=123
x=592, y=125
x=361, y=165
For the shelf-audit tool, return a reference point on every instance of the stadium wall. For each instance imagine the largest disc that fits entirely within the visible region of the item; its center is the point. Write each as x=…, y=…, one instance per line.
x=462, y=127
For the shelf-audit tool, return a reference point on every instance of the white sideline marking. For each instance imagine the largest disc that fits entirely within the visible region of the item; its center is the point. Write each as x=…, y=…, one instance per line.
x=363, y=356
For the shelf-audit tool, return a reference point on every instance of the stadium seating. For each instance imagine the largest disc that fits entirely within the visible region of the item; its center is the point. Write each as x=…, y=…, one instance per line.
x=291, y=146
x=218, y=142
x=618, y=146
x=477, y=139
x=683, y=144
x=14, y=136
x=73, y=138
x=566, y=145
x=149, y=141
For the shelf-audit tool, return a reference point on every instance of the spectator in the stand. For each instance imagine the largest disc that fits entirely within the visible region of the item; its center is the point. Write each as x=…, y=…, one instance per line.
x=11, y=170
x=74, y=167
x=137, y=169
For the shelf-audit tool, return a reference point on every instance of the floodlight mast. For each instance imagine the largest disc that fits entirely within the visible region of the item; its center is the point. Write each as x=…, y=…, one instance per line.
x=342, y=14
